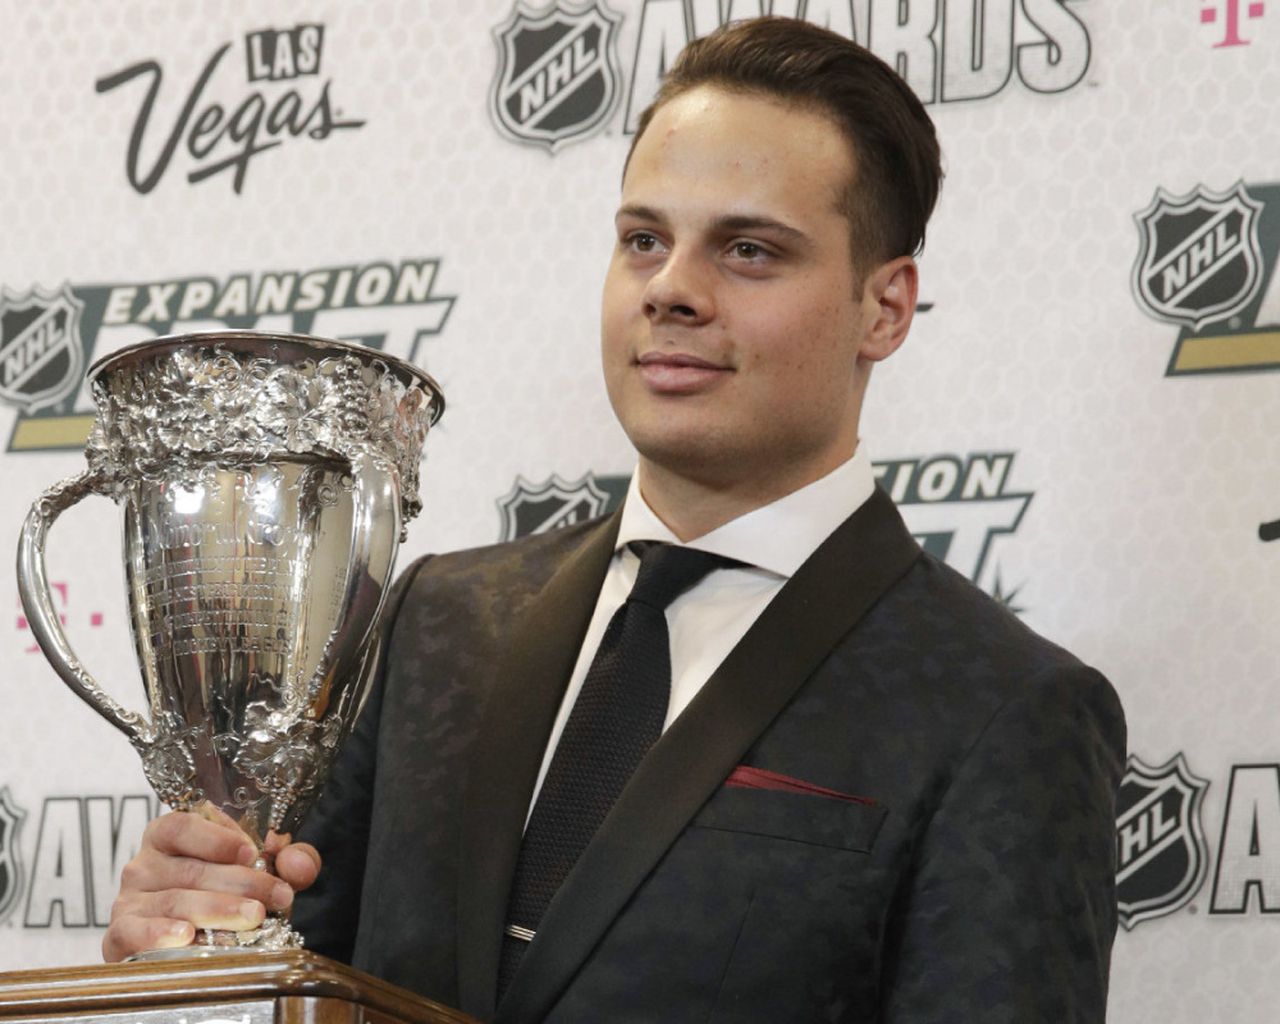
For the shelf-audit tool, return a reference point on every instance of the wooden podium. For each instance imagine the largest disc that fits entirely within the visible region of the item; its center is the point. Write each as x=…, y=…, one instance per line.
x=270, y=988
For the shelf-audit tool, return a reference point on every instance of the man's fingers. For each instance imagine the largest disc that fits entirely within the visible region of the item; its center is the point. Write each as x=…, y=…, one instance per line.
x=212, y=910
x=193, y=871
x=160, y=920
x=188, y=835
x=215, y=814
x=154, y=873
x=298, y=864
x=129, y=935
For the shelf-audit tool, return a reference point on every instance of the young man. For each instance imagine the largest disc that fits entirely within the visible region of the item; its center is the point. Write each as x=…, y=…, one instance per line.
x=868, y=794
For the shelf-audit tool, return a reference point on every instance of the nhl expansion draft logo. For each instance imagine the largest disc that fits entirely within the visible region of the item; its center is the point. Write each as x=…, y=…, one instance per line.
x=10, y=859
x=557, y=78
x=45, y=341
x=1200, y=260
x=1207, y=264
x=539, y=508
x=1162, y=856
x=40, y=353
x=957, y=505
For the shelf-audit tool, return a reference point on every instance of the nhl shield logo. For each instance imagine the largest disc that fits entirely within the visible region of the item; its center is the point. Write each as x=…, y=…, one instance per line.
x=557, y=77
x=1161, y=853
x=10, y=860
x=41, y=357
x=1200, y=260
x=530, y=508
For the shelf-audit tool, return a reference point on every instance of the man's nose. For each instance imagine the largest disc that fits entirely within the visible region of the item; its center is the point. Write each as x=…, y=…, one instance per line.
x=681, y=290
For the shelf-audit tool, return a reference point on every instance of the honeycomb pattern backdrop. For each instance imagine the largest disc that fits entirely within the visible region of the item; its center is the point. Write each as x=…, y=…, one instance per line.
x=1085, y=419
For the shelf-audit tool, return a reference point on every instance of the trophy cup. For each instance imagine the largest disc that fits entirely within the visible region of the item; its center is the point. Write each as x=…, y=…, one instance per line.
x=265, y=480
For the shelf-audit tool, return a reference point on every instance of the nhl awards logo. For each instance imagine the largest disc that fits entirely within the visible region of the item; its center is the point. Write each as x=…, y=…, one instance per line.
x=540, y=508
x=10, y=862
x=1206, y=263
x=1162, y=856
x=557, y=78
x=40, y=353
x=1200, y=259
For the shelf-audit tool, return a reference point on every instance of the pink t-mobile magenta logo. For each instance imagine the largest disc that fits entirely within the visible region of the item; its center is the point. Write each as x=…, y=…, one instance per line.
x=1230, y=10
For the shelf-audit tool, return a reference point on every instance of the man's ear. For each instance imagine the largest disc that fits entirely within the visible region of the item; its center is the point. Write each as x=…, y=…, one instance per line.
x=889, y=294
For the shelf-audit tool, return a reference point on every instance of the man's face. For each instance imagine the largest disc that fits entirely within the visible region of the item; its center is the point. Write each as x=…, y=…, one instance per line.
x=733, y=316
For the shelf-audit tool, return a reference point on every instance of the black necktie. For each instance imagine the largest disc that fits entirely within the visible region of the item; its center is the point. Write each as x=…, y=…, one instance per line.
x=617, y=717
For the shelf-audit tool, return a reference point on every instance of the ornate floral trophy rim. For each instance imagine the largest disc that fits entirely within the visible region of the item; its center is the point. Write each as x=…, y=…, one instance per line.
x=303, y=396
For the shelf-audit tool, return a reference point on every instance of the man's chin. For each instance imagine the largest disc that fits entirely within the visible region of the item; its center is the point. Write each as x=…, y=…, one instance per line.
x=697, y=458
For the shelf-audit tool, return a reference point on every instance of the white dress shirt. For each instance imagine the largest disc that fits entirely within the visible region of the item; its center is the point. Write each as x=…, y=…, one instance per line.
x=707, y=620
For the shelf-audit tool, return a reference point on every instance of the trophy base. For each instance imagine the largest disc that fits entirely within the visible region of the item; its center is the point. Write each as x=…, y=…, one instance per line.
x=190, y=953
x=275, y=935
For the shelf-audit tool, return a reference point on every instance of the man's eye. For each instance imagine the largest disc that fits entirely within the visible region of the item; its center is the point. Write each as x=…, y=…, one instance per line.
x=642, y=241
x=748, y=251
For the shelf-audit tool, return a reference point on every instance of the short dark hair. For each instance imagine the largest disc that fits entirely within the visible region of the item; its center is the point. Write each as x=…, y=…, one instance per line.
x=897, y=162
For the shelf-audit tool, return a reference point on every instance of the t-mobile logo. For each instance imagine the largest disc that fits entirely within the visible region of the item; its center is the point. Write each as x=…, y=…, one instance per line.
x=1230, y=12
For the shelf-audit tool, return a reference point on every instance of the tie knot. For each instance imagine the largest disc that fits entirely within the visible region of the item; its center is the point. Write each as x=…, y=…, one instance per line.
x=667, y=571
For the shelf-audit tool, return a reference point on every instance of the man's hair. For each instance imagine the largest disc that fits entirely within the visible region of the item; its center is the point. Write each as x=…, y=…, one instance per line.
x=897, y=163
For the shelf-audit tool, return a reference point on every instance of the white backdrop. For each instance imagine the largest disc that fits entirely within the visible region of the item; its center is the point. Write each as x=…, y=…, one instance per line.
x=1084, y=420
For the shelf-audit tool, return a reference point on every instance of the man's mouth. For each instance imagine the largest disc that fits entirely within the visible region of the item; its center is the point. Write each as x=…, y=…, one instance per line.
x=679, y=373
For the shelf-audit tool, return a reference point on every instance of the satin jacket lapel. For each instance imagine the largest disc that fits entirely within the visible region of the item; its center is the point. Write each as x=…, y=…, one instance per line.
x=834, y=588
x=521, y=709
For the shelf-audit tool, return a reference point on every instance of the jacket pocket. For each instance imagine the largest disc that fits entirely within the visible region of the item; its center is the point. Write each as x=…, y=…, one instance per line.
x=798, y=817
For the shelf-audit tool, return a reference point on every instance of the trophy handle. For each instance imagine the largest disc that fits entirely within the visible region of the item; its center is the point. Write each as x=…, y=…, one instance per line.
x=376, y=500
x=33, y=587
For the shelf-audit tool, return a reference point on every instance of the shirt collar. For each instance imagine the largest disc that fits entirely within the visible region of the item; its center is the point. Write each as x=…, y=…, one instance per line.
x=777, y=537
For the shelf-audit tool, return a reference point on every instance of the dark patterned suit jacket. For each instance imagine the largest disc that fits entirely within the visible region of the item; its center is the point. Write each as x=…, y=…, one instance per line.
x=974, y=882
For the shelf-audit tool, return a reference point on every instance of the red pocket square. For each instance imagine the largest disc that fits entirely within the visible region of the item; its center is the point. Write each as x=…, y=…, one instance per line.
x=747, y=777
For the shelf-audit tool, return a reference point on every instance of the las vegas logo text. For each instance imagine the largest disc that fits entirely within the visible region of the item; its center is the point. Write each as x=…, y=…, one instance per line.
x=1206, y=264
x=556, y=77
x=280, y=106
x=46, y=338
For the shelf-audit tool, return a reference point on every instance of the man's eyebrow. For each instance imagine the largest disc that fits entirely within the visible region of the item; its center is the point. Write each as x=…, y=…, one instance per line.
x=638, y=212
x=749, y=222
x=729, y=222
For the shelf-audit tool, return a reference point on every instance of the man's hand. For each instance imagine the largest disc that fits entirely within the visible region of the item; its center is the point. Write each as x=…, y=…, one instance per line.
x=196, y=872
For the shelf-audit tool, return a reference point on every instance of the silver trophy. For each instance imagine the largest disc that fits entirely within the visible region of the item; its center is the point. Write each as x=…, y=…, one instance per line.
x=265, y=480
